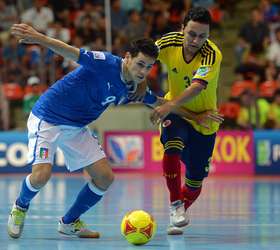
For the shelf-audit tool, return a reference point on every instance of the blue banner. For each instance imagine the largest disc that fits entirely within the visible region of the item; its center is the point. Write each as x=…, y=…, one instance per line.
x=13, y=154
x=267, y=152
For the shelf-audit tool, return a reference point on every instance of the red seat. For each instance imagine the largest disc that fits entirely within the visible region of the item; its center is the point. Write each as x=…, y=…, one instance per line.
x=229, y=110
x=238, y=87
x=13, y=91
x=267, y=88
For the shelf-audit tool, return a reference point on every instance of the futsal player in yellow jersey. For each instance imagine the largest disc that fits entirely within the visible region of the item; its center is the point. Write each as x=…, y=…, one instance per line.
x=193, y=64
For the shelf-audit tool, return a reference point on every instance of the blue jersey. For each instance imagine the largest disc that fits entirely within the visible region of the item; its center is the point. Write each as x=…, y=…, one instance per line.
x=82, y=95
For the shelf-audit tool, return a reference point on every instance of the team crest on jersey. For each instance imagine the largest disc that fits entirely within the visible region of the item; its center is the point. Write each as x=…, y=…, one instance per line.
x=44, y=153
x=202, y=71
x=166, y=123
x=98, y=55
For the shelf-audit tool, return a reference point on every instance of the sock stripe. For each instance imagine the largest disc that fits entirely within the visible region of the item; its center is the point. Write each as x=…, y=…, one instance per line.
x=96, y=189
x=29, y=185
x=193, y=183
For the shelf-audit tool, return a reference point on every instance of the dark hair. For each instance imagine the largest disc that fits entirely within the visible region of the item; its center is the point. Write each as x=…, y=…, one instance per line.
x=145, y=45
x=198, y=14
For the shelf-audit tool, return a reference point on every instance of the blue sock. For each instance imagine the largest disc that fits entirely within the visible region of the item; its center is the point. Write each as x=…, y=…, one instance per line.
x=87, y=198
x=27, y=193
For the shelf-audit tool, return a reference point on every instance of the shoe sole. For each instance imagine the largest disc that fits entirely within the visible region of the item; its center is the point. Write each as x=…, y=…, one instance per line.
x=174, y=231
x=12, y=235
x=182, y=224
x=92, y=235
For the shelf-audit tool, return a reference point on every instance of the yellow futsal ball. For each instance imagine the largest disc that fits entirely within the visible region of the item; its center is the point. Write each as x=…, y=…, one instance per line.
x=138, y=227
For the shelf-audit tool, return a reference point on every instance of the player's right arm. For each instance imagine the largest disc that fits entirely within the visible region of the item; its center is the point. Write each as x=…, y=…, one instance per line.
x=201, y=118
x=29, y=35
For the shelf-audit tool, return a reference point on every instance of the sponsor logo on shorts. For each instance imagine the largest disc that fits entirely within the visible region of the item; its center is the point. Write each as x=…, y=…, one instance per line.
x=166, y=123
x=44, y=153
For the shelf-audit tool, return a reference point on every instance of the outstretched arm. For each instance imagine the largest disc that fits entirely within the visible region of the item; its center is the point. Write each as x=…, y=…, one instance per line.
x=29, y=35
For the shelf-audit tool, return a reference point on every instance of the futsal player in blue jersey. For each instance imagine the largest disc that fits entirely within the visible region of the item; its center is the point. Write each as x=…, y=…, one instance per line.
x=60, y=118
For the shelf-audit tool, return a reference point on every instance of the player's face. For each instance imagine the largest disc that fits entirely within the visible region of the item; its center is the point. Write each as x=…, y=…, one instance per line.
x=195, y=35
x=138, y=67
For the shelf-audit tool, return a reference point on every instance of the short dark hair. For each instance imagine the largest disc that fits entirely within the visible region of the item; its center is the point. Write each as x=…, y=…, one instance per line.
x=145, y=45
x=198, y=14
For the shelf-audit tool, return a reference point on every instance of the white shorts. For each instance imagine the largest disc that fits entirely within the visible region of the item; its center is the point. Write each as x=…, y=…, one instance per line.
x=79, y=146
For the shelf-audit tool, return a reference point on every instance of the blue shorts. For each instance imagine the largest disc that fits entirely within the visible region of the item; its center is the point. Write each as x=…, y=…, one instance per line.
x=197, y=148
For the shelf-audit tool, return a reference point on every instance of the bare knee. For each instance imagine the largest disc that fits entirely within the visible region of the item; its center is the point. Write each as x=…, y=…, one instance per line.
x=104, y=180
x=41, y=173
x=101, y=174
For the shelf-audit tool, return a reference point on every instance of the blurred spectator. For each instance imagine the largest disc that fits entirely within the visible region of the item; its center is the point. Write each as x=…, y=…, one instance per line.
x=8, y=16
x=228, y=6
x=38, y=16
x=136, y=26
x=274, y=112
x=160, y=25
x=13, y=51
x=56, y=30
x=89, y=11
x=253, y=37
x=269, y=10
x=128, y=5
x=32, y=94
x=88, y=31
x=119, y=17
x=273, y=50
x=253, y=113
x=217, y=16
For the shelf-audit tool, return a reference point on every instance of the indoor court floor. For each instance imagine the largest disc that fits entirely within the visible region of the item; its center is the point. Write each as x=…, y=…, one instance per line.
x=232, y=213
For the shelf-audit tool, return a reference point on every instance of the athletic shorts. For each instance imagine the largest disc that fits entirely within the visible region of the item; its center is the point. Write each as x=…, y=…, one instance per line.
x=79, y=146
x=198, y=148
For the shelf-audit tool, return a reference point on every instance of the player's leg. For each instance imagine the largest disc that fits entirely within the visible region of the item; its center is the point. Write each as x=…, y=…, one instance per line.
x=196, y=156
x=31, y=185
x=172, y=139
x=41, y=148
x=101, y=177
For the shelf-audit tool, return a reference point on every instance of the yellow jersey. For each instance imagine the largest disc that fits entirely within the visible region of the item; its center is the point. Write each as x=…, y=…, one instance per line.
x=204, y=67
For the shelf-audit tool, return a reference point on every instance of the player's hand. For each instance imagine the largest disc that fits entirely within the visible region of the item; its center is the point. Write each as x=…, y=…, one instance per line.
x=139, y=94
x=203, y=118
x=161, y=112
x=25, y=33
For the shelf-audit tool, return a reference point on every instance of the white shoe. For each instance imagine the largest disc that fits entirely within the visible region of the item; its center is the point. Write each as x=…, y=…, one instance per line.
x=173, y=230
x=178, y=215
x=16, y=221
x=77, y=228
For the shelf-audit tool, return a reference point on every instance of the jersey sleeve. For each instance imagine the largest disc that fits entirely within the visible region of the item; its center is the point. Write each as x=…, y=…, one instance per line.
x=209, y=68
x=93, y=60
x=149, y=98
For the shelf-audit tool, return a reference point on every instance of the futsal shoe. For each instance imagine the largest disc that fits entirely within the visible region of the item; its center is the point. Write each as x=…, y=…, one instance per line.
x=178, y=219
x=16, y=221
x=178, y=215
x=77, y=228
